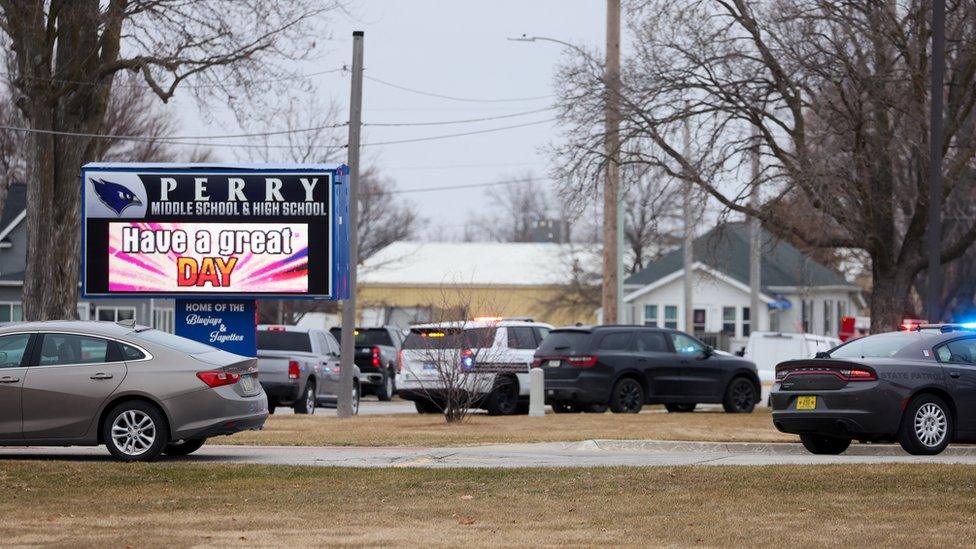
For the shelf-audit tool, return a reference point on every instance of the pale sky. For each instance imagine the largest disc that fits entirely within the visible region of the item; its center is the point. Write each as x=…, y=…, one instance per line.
x=457, y=48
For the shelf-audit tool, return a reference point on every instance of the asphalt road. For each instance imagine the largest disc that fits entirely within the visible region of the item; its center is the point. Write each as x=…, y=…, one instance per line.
x=578, y=454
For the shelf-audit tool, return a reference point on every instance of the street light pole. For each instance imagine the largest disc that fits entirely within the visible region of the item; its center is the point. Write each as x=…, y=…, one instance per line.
x=933, y=312
x=613, y=230
x=613, y=215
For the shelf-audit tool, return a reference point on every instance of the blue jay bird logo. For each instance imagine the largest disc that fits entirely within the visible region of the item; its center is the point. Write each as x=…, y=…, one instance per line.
x=115, y=196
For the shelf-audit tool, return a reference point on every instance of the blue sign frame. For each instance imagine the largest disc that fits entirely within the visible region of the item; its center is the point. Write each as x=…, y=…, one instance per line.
x=337, y=216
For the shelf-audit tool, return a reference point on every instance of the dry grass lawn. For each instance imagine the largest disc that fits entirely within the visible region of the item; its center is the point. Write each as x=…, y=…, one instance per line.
x=183, y=504
x=429, y=430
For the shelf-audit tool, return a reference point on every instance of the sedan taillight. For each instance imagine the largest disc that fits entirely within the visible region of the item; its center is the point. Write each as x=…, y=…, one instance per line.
x=294, y=371
x=218, y=378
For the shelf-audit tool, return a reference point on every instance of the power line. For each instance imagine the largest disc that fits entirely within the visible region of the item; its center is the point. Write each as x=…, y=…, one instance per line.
x=462, y=134
x=454, y=98
x=464, y=121
x=174, y=141
x=11, y=77
x=459, y=187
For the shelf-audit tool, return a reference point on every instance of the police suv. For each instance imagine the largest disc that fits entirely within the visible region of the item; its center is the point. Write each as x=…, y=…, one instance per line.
x=482, y=363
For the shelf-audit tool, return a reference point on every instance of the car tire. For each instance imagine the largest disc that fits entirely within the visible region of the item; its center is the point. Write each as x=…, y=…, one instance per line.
x=503, y=399
x=926, y=427
x=740, y=396
x=140, y=431
x=680, y=407
x=595, y=408
x=427, y=407
x=386, y=391
x=184, y=447
x=271, y=407
x=824, y=445
x=306, y=404
x=561, y=408
x=627, y=396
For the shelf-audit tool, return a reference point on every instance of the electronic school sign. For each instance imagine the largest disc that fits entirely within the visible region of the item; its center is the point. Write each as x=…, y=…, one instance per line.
x=205, y=232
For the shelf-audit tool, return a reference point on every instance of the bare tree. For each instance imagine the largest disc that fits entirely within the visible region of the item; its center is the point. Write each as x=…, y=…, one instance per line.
x=836, y=93
x=513, y=208
x=652, y=216
x=459, y=357
x=66, y=57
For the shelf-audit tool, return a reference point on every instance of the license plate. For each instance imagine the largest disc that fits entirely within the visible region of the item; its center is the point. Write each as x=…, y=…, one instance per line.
x=806, y=403
x=429, y=366
x=554, y=363
x=247, y=383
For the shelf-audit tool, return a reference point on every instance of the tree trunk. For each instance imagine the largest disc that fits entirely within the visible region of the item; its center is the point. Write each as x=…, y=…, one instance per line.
x=889, y=300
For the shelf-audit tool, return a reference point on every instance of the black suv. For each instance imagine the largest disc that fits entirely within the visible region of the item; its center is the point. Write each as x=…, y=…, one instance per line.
x=624, y=367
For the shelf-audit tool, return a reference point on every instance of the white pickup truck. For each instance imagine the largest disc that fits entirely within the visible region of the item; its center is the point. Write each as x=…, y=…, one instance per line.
x=299, y=367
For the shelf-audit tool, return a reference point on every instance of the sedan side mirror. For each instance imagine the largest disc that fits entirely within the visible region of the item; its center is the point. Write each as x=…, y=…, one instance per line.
x=708, y=351
x=822, y=354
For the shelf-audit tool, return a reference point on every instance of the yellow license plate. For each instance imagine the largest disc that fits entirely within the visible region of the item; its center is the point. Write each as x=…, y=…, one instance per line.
x=806, y=403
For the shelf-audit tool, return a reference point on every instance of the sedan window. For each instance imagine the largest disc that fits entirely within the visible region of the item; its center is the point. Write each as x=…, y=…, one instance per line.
x=59, y=349
x=961, y=351
x=12, y=349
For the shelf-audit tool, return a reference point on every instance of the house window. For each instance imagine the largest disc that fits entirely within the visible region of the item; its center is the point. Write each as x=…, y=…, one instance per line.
x=671, y=316
x=728, y=321
x=746, y=322
x=698, y=321
x=806, y=315
x=163, y=320
x=828, y=310
x=115, y=314
x=11, y=312
x=650, y=315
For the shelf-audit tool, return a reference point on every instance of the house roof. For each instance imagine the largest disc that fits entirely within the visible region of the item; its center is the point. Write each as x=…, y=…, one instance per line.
x=726, y=249
x=15, y=204
x=478, y=263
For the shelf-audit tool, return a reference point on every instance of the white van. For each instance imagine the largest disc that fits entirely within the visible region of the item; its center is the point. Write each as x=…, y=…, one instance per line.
x=767, y=349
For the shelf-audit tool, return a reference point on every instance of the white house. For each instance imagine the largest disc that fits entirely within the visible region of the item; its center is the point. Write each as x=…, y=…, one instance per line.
x=800, y=294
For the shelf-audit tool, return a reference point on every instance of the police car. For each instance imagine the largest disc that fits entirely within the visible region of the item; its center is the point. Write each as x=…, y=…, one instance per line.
x=486, y=361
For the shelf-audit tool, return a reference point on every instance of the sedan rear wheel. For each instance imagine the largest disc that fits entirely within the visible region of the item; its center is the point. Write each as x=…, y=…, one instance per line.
x=627, y=397
x=926, y=427
x=821, y=444
x=135, y=431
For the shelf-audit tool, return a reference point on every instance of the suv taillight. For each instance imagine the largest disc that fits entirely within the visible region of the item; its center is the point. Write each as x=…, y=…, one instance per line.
x=587, y=361
x=399, y=361
x=294, y=371
x=376, y=357
x=536, y=362
x=217, y=378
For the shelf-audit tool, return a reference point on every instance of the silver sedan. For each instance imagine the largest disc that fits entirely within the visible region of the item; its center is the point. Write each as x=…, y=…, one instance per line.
x=139, y=391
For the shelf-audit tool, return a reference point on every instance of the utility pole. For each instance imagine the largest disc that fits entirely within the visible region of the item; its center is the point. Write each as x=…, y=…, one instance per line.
x=755, y=243
x=688, y=248
x=933, y=312
x=612, y=215
x=348, y=343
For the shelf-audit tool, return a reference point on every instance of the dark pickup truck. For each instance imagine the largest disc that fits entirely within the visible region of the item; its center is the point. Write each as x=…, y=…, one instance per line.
x=376, y=356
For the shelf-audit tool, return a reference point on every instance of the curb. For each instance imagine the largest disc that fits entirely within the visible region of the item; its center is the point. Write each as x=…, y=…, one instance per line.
x=767, y=448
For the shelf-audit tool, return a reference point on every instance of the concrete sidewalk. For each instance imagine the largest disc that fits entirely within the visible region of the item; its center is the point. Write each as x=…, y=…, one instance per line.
x=591, y=453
